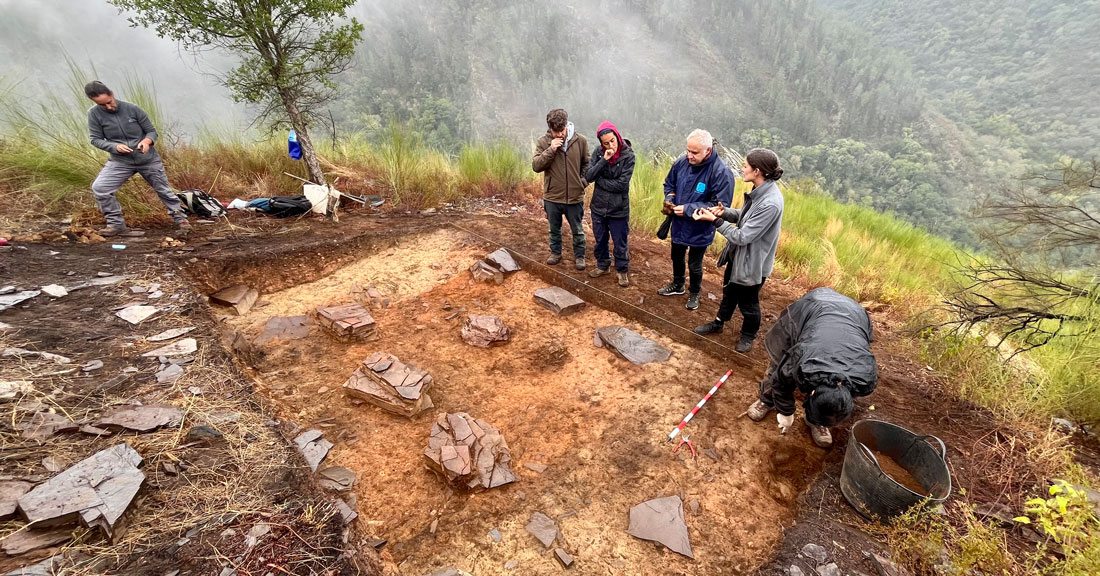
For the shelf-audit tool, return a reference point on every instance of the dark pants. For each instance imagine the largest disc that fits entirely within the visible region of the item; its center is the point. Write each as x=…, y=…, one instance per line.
x=694, y=264
x=573, y=213
x=747, y=298
x=617, y=229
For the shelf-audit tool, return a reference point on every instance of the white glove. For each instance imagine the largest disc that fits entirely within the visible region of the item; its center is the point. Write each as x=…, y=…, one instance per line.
x=784, y=422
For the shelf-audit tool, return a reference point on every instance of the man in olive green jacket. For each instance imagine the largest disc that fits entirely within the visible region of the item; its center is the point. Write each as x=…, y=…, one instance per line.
x=561, y=156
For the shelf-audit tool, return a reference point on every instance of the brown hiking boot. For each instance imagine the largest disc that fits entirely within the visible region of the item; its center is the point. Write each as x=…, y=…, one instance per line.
x=184, y=229
x=820, y=434
x=624, y=279
x=757, y=411
x=597, y=272
x=553, y=259
x=579, y=264
x=112, y=231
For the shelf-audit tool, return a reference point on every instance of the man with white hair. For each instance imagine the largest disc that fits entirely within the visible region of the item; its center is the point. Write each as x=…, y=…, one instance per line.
x=698, y=179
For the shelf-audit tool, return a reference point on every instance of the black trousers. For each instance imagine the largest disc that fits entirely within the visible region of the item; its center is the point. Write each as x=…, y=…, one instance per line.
x=694, y=264
x=747, y=298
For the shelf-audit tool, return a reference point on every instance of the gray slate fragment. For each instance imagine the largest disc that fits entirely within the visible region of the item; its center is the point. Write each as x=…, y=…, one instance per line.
x=284, y=329
x=830, y=569
x=563, y=557
x=55, y=291
x=815, y=552
x=313, y=447
x=21, y=353
x=92, y=366
x=12, y=389
x=137, y=314
x=178, y=348
x=346, y=511
x=25, y=541
x=47, y=567
x=97, y=490
x=558, y=300
x=170, y=374
x=240, y=297
x=143, y=418
x=482, y=271
x=495, y=535
x=10, y=491
x=630, y=345
x=42, y=425
x=794, y=571
x=662, y=520
x=336, y=478
x=170, y=334
x=543, y=528
x=483, y=331
x=503, y=260
x=9, y=300
x=535, y=467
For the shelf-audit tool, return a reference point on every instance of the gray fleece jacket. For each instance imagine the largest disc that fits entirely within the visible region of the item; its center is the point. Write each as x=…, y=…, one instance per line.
x=752, y=235
x=128, y=125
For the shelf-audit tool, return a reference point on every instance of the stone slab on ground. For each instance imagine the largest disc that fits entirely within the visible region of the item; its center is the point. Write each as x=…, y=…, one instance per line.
x=563, y=557
x=137, y=314
x=483, y=331
x=483, y=271
x=42, y=425
x=10, y=491
x=314, y=447
x=346, y=321
x=142, y=418
x=284, y=329
x=9, y=300
x=22, y=353
x=336, y=478
x=239, y=297
x=386, y=382
x=96, y=490
x=468, y=452
x=25, y=541
x=630, y=345
x=661, y=520
x=558, y=300
x=503, y=261
x=178, y=348
x=170, y=334
x=543, y=528
x=48, y=567
x=12, y=389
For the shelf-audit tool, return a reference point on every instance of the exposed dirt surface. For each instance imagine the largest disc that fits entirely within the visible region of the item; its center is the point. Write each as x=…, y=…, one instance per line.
x=753, y=498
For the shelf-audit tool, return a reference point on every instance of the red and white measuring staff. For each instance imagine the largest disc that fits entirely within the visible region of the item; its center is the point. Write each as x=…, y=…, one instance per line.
x=680, y=428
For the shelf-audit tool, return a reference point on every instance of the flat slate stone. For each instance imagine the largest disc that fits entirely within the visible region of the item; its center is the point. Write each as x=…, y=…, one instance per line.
x=136, y=314
x=42, y=425
x=346, y=321
x=25, y=541
x=9, y=300
x=10, y=491
x=240, y=298
x=662, y=520
x=96, y=490
x=631, y=345
x=142, y=418
x=12, y=389
x=55, y=291
x=48, y=567
x=483, y=271
x=313, y=447
x=503, y=261
x=386, y=382
x=558, y=300
x=483, y=331
x=178, y=348
x=21, y=353
x=285, y=329
x=337, y=478
x=170, y=334
x=563, y=557
x=543, y=528
x=468, y=452
x=169, y=374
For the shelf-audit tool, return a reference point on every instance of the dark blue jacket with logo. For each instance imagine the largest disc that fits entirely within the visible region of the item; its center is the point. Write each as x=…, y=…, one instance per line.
x=695, y=187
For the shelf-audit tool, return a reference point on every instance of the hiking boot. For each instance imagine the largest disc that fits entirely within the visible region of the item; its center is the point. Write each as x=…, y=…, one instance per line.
x=579, y=264
x=184, y=229
x=624, y=279
x=745, y=344
x=553, y=259
x=757, y=411
x=112, y=231
x=671, y=289
x=712, y=327
x=693, y=301
x=597, y=272
x=820, y=434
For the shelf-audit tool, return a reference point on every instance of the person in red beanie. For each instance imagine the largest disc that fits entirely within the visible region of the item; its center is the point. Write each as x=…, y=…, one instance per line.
x=610, y=169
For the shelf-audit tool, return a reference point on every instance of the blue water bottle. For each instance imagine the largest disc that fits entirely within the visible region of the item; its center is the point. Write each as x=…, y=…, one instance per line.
x=293, y=147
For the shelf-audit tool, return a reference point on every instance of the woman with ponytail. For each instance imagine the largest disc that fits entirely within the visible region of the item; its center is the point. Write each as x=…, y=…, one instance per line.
x=752, y=236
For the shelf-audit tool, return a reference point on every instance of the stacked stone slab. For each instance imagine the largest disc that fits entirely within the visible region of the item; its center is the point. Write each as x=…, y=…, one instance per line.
x=494, y=267
x=346, y=321
x=468, y=452
x=386, y=382
x=484, y=331
x=558, y=300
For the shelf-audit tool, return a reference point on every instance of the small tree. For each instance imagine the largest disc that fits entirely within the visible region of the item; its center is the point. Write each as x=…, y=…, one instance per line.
x=289, y=50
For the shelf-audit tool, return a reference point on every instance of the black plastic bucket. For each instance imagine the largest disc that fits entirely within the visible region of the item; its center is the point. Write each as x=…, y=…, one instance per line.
x=872, y=492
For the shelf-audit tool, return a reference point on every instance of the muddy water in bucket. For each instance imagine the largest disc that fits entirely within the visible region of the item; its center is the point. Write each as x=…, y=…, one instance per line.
x=888, y=469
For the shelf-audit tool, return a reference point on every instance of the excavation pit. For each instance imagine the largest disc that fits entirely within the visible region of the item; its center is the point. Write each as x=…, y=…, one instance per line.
x=586, y=428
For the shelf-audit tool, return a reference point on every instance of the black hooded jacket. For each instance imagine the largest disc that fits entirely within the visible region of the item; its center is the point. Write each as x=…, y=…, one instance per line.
x=823, y=337
x=611, y=195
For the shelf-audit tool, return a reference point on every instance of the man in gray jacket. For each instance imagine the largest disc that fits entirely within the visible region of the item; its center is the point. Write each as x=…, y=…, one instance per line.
x=124, y=130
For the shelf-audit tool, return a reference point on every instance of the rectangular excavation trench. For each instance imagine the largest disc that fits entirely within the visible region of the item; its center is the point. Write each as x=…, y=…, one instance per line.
x=596, y=421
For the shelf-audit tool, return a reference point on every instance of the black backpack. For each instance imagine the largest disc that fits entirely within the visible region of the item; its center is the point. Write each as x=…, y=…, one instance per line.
x=199, y=203
x=287, y=206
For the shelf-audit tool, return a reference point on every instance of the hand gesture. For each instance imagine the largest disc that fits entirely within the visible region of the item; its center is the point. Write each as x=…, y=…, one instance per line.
x=718, y=210
x=556, y=143
x=703, y=214
x=666, y=209
x=123, y=149
x=143, y=147
x=678, y=210
x=608, y=153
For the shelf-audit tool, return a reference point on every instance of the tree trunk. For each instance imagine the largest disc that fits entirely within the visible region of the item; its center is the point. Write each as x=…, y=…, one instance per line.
x=299, y=124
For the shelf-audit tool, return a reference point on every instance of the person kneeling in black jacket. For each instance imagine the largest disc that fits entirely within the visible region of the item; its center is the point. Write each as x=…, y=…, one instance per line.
x=821, y=346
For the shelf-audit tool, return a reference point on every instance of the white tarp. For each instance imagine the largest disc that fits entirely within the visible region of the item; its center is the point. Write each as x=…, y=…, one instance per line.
x=321, y=197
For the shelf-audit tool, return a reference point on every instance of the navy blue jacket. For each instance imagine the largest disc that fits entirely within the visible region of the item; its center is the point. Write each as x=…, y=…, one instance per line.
x=695, y=187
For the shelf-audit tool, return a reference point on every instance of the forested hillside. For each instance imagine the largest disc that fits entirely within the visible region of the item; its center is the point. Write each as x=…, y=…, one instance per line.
x=1023, y=73
x=781, y=74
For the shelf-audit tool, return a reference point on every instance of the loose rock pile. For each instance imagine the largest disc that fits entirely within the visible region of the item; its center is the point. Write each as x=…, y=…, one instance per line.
x=468, y=452
x=386, y=382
